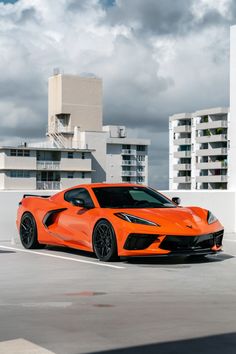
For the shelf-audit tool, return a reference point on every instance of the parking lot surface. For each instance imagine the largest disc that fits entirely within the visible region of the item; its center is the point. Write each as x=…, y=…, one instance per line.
x=65, y=301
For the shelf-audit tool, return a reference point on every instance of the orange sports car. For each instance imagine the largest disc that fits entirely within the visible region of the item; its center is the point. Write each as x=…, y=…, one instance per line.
x=117, y=220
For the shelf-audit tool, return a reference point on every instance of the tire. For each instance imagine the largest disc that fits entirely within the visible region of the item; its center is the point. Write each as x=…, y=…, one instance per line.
x=104, y=241
x=28, y=232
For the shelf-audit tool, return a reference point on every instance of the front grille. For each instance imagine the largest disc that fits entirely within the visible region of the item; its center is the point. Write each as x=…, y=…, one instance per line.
x=192, y=243
x=139, y=241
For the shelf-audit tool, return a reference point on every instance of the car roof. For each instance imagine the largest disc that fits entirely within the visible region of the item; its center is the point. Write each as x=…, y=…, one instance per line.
x=98, y=185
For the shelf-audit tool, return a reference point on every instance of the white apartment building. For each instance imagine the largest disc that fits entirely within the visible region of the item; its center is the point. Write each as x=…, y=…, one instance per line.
x=43, y=168
x=199, y=149
x=202, y=145
x=78, y=148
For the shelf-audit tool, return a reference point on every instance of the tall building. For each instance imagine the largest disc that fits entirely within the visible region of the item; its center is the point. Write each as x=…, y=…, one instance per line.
x=78, y=148
x=202, y=145
x=199, y=149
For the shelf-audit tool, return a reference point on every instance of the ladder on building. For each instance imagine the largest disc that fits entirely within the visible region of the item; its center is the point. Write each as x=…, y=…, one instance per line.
x=59, y=140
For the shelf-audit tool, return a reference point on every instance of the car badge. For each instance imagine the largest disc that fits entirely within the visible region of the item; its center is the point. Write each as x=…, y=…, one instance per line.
x=190, y=226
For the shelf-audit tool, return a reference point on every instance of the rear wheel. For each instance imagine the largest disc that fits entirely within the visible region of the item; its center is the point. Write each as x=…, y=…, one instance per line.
x=28, y=232
x=104, y=241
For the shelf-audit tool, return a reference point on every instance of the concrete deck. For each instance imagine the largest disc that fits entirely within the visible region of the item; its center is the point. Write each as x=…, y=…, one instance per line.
x=62, y=301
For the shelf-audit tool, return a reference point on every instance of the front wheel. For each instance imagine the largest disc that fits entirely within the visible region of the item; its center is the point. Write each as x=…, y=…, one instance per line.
x=104, y=241
x=28, y=232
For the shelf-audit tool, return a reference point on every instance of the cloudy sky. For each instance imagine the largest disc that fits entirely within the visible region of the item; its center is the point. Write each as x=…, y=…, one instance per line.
x=156, y=58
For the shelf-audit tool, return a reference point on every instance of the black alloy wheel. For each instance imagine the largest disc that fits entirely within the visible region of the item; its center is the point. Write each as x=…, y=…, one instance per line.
x=28, y=232
x=104, y=241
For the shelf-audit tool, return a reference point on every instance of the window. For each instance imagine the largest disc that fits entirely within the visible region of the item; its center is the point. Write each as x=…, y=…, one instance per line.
x=83, y=175
x=141, y=158
x=26, y=153
x=14, y=152
x=70, y=175
x=80, y=193
x=126, y=147
x=140, y=179
x=140, y=168
x=130, y=197
x=70, y=155
x=141, y=147
x=20, y=174
x=83, y=155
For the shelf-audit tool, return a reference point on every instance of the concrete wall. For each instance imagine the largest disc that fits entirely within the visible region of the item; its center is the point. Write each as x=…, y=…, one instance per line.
x=221, y=203
x=77, y=163
x=78, y=96
x=8, y=207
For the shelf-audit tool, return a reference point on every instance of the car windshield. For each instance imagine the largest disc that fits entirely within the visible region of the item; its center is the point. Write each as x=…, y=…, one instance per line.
x=130, y=197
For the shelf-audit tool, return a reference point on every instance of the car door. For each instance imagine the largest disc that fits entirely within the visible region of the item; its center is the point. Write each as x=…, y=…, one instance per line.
x=75, y=223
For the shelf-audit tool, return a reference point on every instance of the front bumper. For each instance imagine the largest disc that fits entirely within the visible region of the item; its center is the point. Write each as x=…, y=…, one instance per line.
x=154, y=244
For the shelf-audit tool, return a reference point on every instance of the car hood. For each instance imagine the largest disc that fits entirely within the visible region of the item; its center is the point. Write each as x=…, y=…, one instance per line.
x=181, y=220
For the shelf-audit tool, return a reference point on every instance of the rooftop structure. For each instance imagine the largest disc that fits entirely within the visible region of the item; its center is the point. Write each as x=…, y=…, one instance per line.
x=78, y=148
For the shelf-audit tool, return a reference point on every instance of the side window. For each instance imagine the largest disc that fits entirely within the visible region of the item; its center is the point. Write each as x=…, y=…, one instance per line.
x=79, y=193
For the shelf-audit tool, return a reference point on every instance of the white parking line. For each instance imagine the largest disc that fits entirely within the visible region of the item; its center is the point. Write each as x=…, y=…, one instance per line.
x=62, y=257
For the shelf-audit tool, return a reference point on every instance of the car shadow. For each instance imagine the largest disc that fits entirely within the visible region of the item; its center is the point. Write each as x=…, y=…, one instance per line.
x=71, y=251
x=175, y=260
x=148, y=260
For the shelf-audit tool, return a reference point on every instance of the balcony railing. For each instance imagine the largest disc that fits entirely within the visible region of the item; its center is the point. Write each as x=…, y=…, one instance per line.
x=182, y=129
x=129, y=162
x=128, y=173
x=212, y=178
x=50, y=185
x=211, y=138
x=212, y=152
x=182, y=179
x=212, y=124
x=182, y=167
x=48, y=165
x=128, y=152
x=211, y=165
x=182, y=141
x=182, y=153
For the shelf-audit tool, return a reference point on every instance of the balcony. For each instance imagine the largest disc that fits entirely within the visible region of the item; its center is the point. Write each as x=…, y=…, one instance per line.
x=128, y=163
x=48, y=165
x=211, y=138
x=128, y=152
x=182, y=179
x=128, y=173
x=182, y=154
x=183, y=141
x=48, y=185
x=182, y=167
x=182, y=129
x=211, y=165
x=213, y=179
x=212, y=125
x=212, y=152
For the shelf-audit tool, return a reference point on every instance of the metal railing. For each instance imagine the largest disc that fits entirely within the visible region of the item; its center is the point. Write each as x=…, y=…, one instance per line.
x=50, y=185
x=128, y=152
x=48, y=165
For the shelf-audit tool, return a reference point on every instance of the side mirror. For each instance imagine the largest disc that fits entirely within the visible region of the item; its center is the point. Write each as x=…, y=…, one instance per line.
x=176, y=200
x=78, y=202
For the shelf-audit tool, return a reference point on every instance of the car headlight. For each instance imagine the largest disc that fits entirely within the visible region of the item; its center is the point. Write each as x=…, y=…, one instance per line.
x=211, y=218
x=135, y=219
